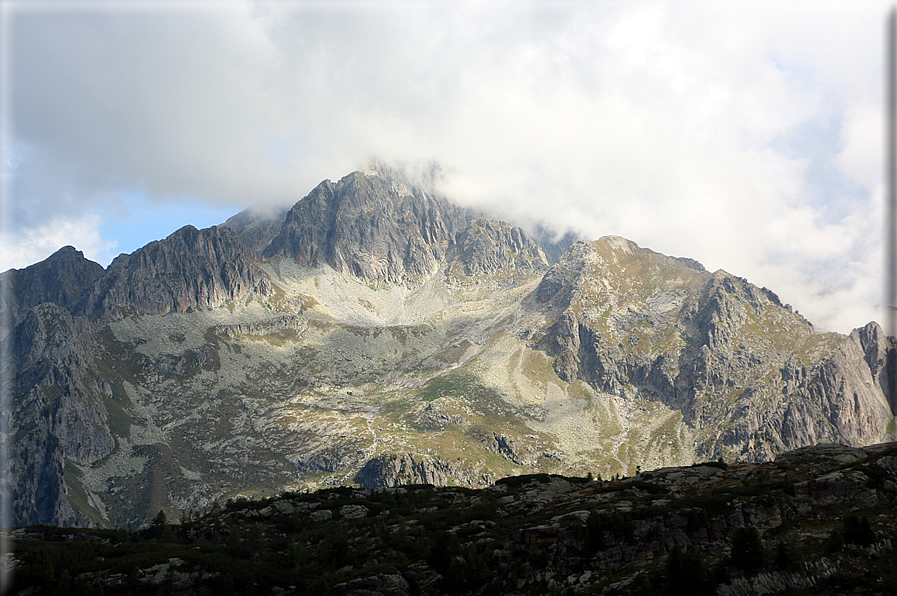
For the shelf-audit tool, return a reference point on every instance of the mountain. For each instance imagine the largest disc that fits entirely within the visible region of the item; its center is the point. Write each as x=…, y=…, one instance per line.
x=257, y=229
x=378, y=334
x=744, y=370
x=818, y=519
x=189, y=269
x=380, y=230
x=59, y=279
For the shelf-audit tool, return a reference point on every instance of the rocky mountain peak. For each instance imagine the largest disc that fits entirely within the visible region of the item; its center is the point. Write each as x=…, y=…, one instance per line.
x=617, y=243
x=629, y=322
x=60, y=278
x=190, y=268
x=257, y=227
x=487, y=247
x=406, y=340
x=377, y=228
x=617, y=269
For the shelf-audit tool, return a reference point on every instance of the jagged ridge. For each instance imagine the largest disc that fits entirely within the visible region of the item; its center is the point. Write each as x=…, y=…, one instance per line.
x=191, y=268
x=727, y=354
x=377, y=229
x=60, y=279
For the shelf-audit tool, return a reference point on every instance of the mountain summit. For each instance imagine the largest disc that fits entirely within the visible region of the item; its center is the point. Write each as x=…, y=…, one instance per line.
x=378, y=229
x=377, y=334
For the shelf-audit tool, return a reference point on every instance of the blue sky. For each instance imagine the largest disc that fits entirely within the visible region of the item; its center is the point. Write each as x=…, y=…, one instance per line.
x=746, y=135
x=139, y=221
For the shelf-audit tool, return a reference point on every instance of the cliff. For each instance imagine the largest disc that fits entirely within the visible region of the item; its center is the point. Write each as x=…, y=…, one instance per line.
x=58, y=416
x=60, y=279
x=378, y=229
x=191, y=268
x=748, y=374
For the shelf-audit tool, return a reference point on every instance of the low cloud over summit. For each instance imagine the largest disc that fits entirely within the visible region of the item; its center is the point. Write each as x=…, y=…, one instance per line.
x=745, y=136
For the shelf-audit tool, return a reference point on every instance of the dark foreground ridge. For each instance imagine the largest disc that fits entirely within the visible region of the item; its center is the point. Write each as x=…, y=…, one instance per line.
x=818, y=520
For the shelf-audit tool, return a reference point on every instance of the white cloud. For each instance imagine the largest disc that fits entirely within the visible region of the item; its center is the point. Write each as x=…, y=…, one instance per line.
x=863, y=144
x=30, y=245
x=697, y=129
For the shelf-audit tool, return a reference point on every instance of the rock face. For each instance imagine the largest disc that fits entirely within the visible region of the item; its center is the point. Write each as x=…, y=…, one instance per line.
x=375, y=228
x=386, y=336
x=58, y=415
x=397, y=470
x=191, y=268
x=738, y=364
x=256, y=229
x=392, y=470
x=487, y=248
x=553, y=246
x=59, y=279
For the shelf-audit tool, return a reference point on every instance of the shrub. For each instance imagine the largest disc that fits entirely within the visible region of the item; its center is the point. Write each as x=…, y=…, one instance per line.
x=686, y=573
x=652, y=489
x=444, y=548
x=786, y=556
x=334, y=549
x=835, y=541
x=858, y=530
x=747, y=549
x=620, y=525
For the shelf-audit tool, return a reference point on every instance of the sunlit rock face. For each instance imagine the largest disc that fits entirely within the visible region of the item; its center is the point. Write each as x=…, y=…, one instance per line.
x=379, y=335
x=189, y=269
x=750, y=376
x=376, y=228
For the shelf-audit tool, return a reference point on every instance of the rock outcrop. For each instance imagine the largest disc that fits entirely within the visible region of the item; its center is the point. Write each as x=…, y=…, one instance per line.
x=817, y=520
x=374, y=227
x=486, y=250
x=399, y=469
x=189, y=269
x=60, y=279
x=749, y=374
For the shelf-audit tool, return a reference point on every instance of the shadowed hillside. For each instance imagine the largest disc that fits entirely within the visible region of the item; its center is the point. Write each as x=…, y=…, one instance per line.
x=818, y=520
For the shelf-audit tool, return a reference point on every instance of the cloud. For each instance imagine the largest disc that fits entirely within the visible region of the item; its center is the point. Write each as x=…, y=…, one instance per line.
x=35, y=244
x=744, y=135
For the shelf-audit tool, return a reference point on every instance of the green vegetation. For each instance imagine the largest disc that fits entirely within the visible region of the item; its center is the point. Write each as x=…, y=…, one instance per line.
x=459, y=385
x=854, y=530
x=603, y=526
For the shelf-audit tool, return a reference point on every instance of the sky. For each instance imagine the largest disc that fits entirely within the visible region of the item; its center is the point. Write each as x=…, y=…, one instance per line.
x=746, y=135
